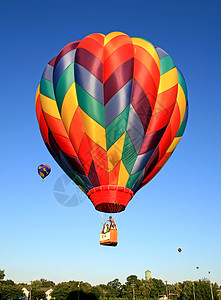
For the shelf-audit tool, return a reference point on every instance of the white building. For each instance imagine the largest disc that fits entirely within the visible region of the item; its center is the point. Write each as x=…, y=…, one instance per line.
x=48, y=294
x=47, y=291
x=26, y=293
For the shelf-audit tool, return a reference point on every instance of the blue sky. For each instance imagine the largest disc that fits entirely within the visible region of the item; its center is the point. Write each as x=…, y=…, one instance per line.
x=180, y=207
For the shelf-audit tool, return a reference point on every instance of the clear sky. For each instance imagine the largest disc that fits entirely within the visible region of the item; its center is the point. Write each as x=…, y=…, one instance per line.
x=180, y=207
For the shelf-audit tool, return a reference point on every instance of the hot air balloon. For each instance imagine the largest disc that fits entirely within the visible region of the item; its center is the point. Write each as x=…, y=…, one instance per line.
x=44, y=171
x=111, y=110
x=197, y=268
x=179, y=249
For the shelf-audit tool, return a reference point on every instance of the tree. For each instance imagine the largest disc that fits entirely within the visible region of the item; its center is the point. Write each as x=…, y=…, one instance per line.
x=42, y=283
x=114, y=288
x=82, y=295
x=2, y=274
x=8, y=291
x=146, y=288
x=173, y=290
x=84, y=286
x=62, y=290
x=187, y=290
x=132, y=279
x=202, y=289
x=128, y=287
x=216, y=291
x=98, y=291
x=157, y=287
x=178, y=288
x=134, y=287
x=37, y=293
x=73, y=290
x=9, y=282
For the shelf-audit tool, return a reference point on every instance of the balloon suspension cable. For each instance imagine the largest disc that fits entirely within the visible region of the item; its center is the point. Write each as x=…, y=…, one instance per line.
x=107, y=215
x=102, y=215
x=116, y=216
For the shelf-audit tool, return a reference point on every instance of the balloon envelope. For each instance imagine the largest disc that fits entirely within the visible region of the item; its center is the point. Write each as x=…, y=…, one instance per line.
x=111, y=110
x=44, y=170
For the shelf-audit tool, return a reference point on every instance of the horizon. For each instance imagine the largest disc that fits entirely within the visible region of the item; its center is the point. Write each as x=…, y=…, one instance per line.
x=73, y=280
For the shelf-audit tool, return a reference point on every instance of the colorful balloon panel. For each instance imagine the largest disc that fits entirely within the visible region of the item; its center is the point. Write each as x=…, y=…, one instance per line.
x=111, y=110
x=44, y=170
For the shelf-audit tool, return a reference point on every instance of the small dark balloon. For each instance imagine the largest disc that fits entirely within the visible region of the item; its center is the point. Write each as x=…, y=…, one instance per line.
x=44, y=170
x=179, y=249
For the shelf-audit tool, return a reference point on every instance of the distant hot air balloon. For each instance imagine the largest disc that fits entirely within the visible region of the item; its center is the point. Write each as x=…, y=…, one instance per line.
x=179, y=249
x=111, y=110
x=44, y=171
x=197, y=268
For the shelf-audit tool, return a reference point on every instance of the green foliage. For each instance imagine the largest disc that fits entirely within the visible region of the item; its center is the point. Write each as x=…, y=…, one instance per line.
x=157, y=287
x=202, y=290
x=37, y=293
x=42, y=283
x=142, y=289
x=98, y=291
x=8, y=282
x=2, y=274
x=113, y=290
x=187, y=290
x=62, y=290
x=8, y=291
x=72, y=290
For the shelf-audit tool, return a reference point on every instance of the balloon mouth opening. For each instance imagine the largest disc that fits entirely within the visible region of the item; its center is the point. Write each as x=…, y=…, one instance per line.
x=110, y=207
x=110, y=198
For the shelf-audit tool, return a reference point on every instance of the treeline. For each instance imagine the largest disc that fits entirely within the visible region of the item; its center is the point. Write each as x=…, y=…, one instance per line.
x=133, y=288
